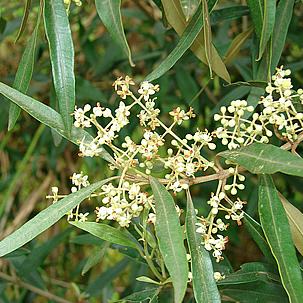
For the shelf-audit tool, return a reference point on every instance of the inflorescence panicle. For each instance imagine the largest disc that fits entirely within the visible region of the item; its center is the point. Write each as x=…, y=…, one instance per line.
x=182, y=158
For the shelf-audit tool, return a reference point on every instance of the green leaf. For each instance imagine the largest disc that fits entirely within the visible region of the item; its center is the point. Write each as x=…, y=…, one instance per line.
x=255, y=230
x=207, y=35
x=45, y=219
x=24, y=73
x=95, y=288
x=228, y=13
x=189, y=7
x=188, y=37
x=256, y=11
x=283, y=17
x=236, y=45
x=251, y=272
x=49, y=117
x=277, y=232
x=142, y=295
x=176, y=19
x=204, y=284
x=255, y=293
x=110, y=14
x=268, y=22
x=170, y=238
x=261, y=158
x=108, y=233
x=61, y=50
x=24, y=19
x=295, y=220
x=95, y=257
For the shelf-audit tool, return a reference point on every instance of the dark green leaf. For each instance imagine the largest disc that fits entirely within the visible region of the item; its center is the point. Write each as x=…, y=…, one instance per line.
x=141, y=296
x=95, y=257
x=24, y=19
x=96, y=287
x=204, y=284
x=268, y=22
x=108, y=233
x=170, y=238
x=186, y=40
x=49, y=117
x=46, y=219
x=24, y=73
x=110, y=14
x=228, y=13
x=277, y=232
x=251, y=272
x=62, y=57
x=261, y=158
x=255, y=230
x=256, y=11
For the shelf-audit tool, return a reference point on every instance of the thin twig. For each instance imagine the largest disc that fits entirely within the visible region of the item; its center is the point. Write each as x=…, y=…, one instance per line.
x=32, y=288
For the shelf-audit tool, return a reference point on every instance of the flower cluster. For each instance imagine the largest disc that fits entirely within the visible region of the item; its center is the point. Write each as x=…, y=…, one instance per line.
x=122, y=203
x=183, y=161
x=280, y=114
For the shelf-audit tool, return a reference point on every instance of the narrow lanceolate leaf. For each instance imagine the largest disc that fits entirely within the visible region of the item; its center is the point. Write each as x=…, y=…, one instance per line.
x=261, y=158
x=277, y=232
x=204, y=284
x=185, y=42
x=62, y=57
x=110, y=13
x=268, y=22
x=24, y=19
x=236, y=45
x=256, y=11
x=295, y=219
x=256, y=232
x=207, y=36
x=108, y=233
x=170, y=238
x=189, y=7
x=283, y=17
x=24, y=74
x=176, y=19
x=46, y=219
x=49, y=117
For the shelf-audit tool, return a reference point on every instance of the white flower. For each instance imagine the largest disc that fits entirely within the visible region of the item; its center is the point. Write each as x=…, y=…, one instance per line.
x=147, y=89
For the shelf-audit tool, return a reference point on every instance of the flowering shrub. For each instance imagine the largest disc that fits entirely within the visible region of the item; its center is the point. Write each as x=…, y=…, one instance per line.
x=185, y=207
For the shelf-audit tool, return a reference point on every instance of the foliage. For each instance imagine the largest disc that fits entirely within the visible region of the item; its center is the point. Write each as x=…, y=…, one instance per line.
x=169, y=167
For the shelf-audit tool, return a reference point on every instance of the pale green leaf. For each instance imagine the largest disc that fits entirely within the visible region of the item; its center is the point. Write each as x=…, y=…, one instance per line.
x=49, y=117
x=61, y=51
x=204, y=284
x=277, y=232
x=45, y=219
x=170, y=238
x=108, y=233
x=261, y=158
x=189, y=7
